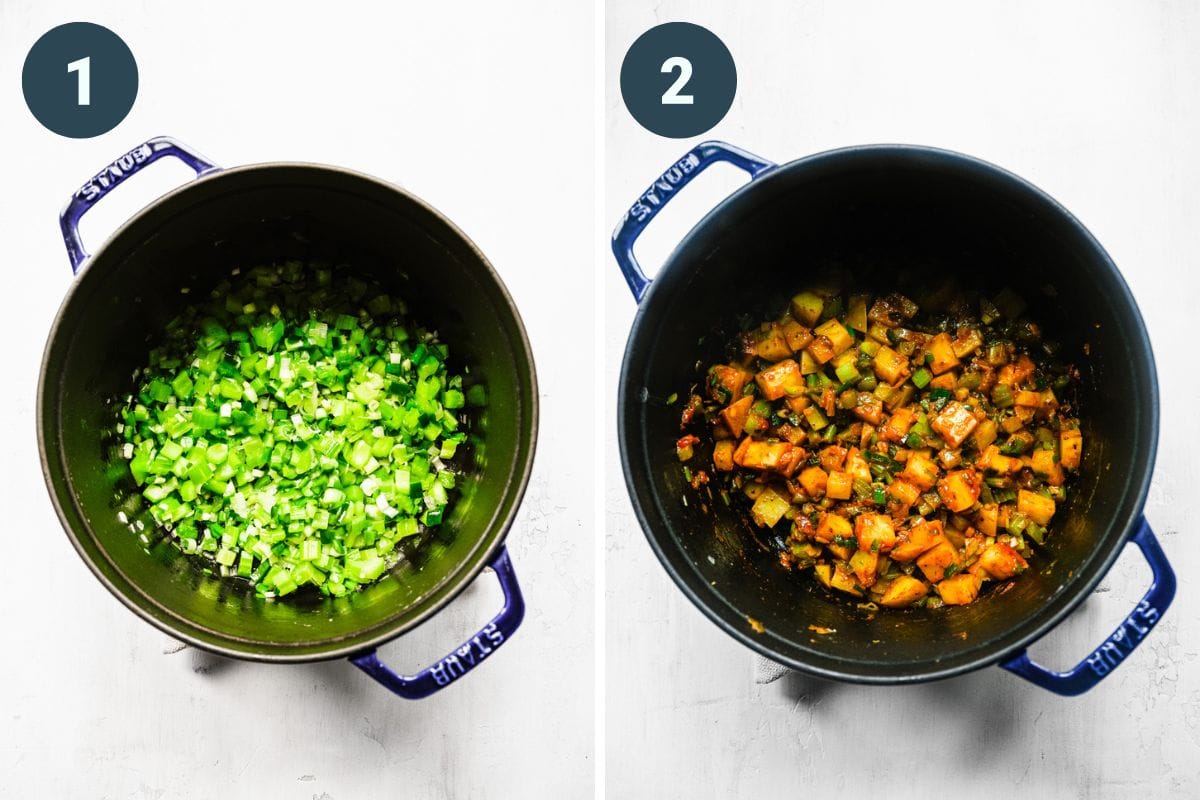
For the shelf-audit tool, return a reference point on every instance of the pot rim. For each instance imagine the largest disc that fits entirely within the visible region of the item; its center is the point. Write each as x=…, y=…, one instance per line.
x=385, y=631
x=987, y=656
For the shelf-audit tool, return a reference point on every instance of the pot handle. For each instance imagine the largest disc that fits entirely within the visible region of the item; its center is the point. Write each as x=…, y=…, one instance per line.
x=463, y=659
x=1109, y=655
x=113, y=176
x=698, y=159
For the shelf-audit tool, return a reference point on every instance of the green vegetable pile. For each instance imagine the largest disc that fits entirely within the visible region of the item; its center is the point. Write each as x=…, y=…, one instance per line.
x=294, y=428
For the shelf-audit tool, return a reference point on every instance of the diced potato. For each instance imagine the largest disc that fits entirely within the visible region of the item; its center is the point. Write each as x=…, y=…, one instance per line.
x=830, y=340
x=868, y=408
x=736, y=413
x=1027, y=399
x=954, y=423
x=796, y=335
x=948, y=459
x=831, y=526
x=771, y=344
x=1014, y=423
x=889, y=365
x=769, y=508
x=824, y=573
x=1071, y=448
x=942, y=350
x=993, y=460
x=807, y=307
x=833, y=457
x=903, y=591
x=985, y=433
x=920, y=471
x=1017, y=372
x=1037, y=508
x=857, y=466
x=836, y=333
x=1045, y=465
x=798, y=403
x=896, y=428
x=840, y=486
x=841, y=551
x=960, y=489
x=723, y=455
x=874, y=532
x=959, y=589
x=903, y=493
x=966, y=342
x=814, y=480
x=793, y=433
x=936, y=560
x=916, y=541
x=765, y=456
x=821, y=349
x=999, y=562
x=843, y=580
x=808, y=364
x=947, y=380
x=725, y=383
x=985, y=520
x=779, y=380
x=864, y=565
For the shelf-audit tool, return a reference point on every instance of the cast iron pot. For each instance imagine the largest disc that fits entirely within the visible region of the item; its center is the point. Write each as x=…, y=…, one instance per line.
x=130, y=288
x=875, y=211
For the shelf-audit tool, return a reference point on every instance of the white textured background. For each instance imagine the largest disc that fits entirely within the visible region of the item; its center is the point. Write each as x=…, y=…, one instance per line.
x=1096, y=102
x=452, y=101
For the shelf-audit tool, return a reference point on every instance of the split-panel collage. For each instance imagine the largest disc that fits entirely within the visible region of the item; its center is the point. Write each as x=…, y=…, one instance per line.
x=625, y=399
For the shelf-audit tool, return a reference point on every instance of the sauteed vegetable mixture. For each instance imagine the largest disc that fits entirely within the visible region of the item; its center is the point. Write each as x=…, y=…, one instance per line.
x=295, y=428
x=906, y=459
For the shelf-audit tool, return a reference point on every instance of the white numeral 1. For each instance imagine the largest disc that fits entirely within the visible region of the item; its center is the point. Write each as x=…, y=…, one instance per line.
x=672, y=97
x=84, y=67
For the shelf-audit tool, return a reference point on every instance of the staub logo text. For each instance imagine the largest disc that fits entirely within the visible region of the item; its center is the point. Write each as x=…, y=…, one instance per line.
x=112, y=174
x=1135, y=627
x=460, y=662
x=653, y=198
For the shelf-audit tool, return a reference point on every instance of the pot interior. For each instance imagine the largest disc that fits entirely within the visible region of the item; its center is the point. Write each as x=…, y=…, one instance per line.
x=192, y=238
x=880, y=219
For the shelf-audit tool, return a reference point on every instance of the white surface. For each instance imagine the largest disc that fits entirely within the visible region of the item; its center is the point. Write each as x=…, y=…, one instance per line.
x=1097, y=104
x=447, y=101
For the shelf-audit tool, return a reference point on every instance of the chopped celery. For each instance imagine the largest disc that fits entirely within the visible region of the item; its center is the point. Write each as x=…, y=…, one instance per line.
x=293, y=442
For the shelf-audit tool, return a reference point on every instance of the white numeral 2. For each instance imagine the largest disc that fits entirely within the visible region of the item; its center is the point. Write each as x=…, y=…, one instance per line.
x=84, y=67
x=672, y=97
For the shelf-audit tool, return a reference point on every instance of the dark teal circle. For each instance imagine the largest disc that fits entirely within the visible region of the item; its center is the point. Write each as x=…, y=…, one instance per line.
x=712, y=84
x=52, y=93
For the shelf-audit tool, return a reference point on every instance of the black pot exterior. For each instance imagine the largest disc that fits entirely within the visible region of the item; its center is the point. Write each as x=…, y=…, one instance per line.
x=191, y=238
x=882, y=214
